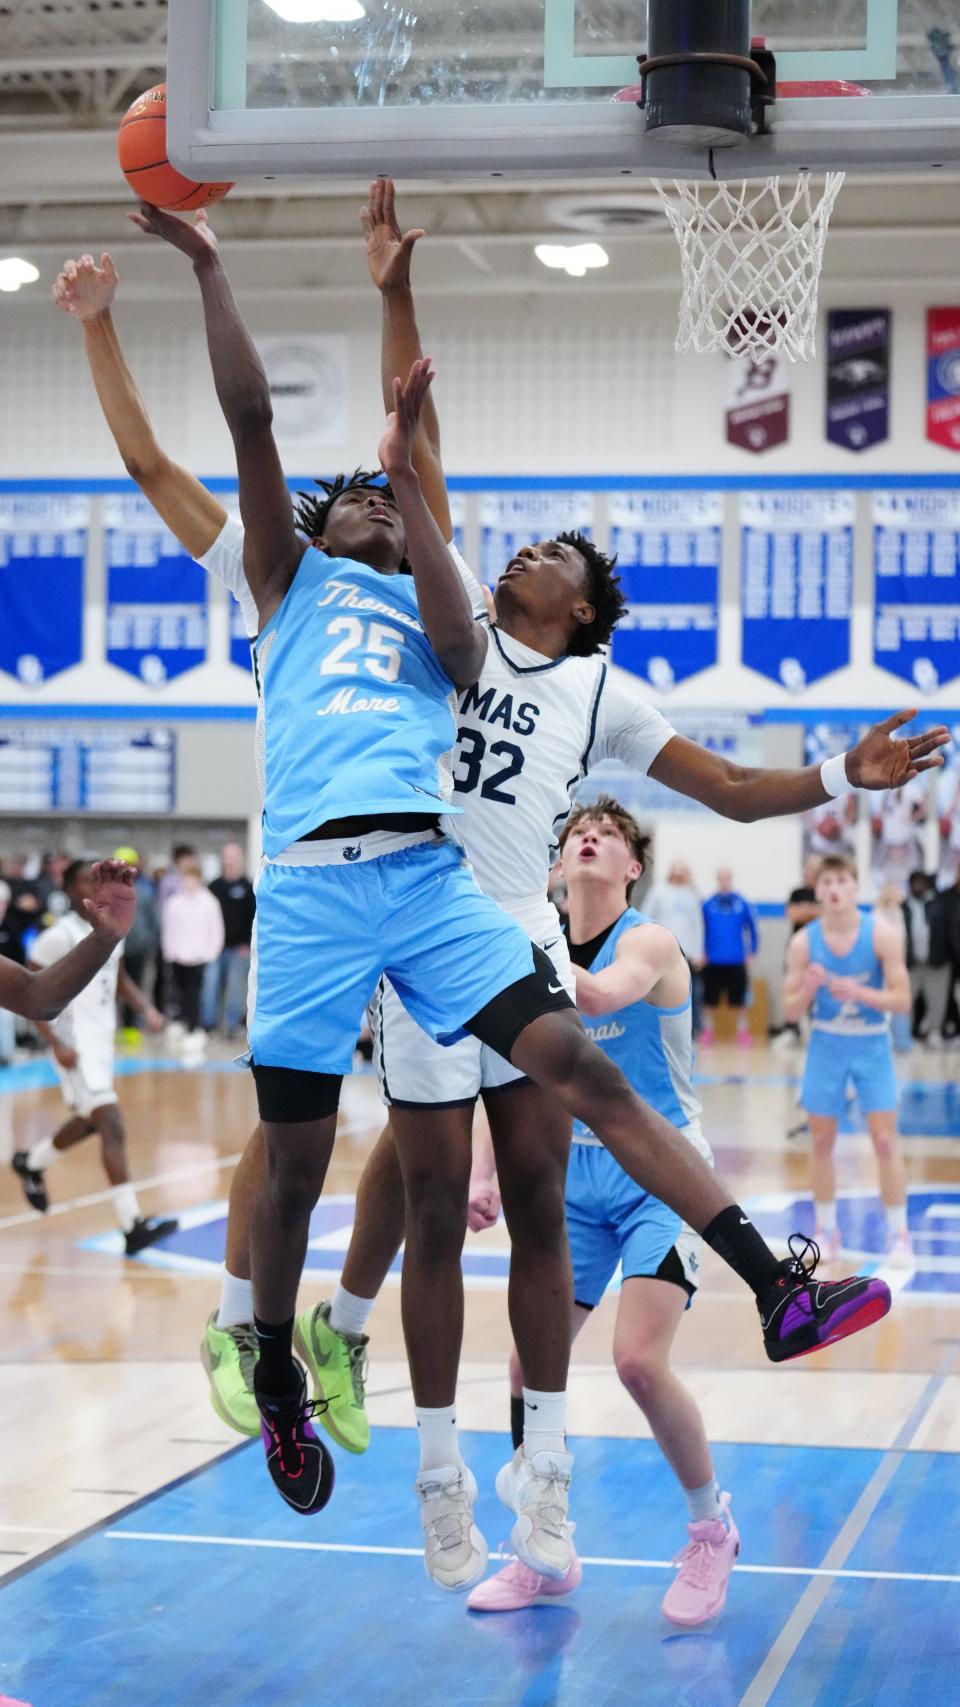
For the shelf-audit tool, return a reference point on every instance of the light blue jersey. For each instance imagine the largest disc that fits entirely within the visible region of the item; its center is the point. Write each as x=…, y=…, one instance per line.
x=610, y=1219
x=849, y=1018
x=652, y=1046
x=359, y=718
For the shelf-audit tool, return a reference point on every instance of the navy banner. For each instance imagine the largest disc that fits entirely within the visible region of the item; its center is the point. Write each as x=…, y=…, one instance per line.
x=43, y=548
x=796, y=584
x=668, y=547
x=509, y=520
x=916, y=564
x=156, y=596
x=858, y=377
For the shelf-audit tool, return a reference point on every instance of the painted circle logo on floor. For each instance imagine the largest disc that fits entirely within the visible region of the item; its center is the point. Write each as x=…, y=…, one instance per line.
x=933, y=1219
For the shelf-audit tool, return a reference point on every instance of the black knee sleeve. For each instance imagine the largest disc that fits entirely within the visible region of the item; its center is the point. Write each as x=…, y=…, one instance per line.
x=500, y=1023
x=288, y=1097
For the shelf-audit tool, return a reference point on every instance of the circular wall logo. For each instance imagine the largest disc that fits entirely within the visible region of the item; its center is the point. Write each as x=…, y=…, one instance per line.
x=307, y=390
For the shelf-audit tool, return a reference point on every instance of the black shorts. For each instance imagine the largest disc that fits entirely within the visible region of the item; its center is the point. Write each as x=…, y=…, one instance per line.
x=729, y=981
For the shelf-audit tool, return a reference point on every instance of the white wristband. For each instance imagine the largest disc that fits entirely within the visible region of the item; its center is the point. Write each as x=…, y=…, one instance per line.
x=833, y=775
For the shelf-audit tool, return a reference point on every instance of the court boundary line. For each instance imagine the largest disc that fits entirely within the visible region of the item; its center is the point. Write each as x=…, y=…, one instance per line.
x=278, y=1545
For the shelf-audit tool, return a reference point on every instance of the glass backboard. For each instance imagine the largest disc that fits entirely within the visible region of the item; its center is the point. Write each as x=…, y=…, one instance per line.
x=442, y=88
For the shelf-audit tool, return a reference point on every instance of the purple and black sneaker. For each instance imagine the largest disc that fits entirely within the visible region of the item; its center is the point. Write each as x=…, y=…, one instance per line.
x=799, y=1314
x=300, y=1466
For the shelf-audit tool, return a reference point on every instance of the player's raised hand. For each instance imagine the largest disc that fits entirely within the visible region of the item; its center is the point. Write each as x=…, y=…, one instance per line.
x=113, y=903
x=196, y=240
x=408, y=399
x=389, y=250
x=83, y=289
x=878, y=761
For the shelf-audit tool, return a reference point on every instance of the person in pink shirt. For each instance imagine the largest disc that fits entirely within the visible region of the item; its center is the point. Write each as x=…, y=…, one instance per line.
x=192, y=936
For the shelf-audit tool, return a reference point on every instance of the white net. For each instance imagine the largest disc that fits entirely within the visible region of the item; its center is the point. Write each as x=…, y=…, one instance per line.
x=751, y=254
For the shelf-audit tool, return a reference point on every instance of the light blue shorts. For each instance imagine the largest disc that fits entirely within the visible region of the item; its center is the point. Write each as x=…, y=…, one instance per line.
x=610, y=1220
x=325, y=934
x=833, y=1059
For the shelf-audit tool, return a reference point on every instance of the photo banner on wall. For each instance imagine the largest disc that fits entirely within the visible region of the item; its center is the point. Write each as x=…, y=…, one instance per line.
x=735, y=735
x=511, y=520
x=668, y=547
x=831, y=827
x=916, y=581
x=858, y=377
x=156, y=595
x=758, y=402
x=943, y=377
x=796, y=595
x=43, y=549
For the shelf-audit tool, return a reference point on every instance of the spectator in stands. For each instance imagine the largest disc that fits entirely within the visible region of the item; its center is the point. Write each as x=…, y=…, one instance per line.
x=10, y=948
x=675, y=904
x=889, y=907
x=168, y=882
x=225, y=980
x=142, y=941
x=730, y=942
x=802, y=905
x=25, y=915
x=928, y=958
x=191, y=929
x=49, y=884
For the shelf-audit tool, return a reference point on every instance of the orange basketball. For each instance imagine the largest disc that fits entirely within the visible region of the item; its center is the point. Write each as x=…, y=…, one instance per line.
x=142, y=152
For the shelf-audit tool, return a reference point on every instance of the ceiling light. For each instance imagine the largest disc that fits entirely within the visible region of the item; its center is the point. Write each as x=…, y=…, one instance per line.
x=318, y=11
x=15, y=272
x=575, y=259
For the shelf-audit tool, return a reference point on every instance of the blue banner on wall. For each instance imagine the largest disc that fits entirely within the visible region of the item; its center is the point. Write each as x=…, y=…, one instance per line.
x=510, y=520
x=858, y=376
x=43, y=548
x=668, y=547
x=156, y=595
x=916, y=563
x=796, y=584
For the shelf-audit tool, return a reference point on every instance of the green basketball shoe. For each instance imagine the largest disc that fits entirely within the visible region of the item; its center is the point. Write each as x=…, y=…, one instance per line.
x=338, y=1365
x=229, y=1356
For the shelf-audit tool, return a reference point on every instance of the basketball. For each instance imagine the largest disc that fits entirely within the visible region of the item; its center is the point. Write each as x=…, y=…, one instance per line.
x=142, y=152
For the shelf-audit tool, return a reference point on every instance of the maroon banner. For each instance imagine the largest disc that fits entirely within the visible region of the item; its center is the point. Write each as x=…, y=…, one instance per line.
x=943, y=377
x=758, y=403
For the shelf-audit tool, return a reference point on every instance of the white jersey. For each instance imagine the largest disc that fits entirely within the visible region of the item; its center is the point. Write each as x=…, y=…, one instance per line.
x=529, y=731
x=91, y=1017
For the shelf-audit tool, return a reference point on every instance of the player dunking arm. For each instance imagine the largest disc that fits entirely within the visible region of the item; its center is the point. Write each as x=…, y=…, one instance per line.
x=732, y=1234
x=80, y=1041
x=634, y=991
x=847, y=969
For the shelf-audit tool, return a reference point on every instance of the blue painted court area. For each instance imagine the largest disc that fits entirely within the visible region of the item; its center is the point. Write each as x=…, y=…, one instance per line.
x=212, y=1594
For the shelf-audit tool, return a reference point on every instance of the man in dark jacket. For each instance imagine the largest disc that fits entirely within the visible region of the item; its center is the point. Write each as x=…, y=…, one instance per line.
x=926, y=917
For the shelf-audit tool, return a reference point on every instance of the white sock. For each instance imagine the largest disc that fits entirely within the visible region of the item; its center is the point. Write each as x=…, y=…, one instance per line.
x=126, y=1205
x=439, y=1445
x=236, y=1300
x=41, y=1154
x=704, y=1503
x=348, y=1313
x=544, y=1422
x=896, y=1217
x=826, y=1215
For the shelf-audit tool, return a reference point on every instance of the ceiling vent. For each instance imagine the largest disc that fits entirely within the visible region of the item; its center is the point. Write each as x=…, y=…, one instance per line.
x=599, y=213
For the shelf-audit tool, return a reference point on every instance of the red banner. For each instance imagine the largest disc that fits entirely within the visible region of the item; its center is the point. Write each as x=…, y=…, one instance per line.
x=943, y=377
x=758, y=412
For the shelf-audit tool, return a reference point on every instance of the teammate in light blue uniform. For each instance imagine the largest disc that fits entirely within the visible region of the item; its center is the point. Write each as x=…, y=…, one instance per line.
x=633, y=988
x=849, y=971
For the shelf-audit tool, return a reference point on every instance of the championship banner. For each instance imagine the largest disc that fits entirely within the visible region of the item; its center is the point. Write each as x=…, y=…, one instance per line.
x=758, y=402
x=156, y=595
x=668, y=547
x=943, y=377
x=916, y=579
x=796, y=560
x=858, y=377
x=43, y=548
x=510, y=520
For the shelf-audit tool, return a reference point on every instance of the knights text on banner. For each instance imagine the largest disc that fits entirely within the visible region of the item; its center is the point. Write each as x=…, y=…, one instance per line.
x=43, y=548
x=796, y=560
x=668, y=547
x=916, y=575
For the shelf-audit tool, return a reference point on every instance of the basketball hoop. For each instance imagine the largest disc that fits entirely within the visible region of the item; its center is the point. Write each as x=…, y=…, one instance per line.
x=751, y=253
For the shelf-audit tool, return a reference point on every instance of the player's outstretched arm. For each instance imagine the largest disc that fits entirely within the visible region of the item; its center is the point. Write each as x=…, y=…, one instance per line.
x=193, y=515
x=458, y=640
x=272, y=548
x=876, y=762
x=41, y=995
x=389, y=254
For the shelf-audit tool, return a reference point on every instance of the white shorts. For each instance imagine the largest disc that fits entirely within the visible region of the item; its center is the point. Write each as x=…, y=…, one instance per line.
x=89, y=1084
x=413, y=1071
